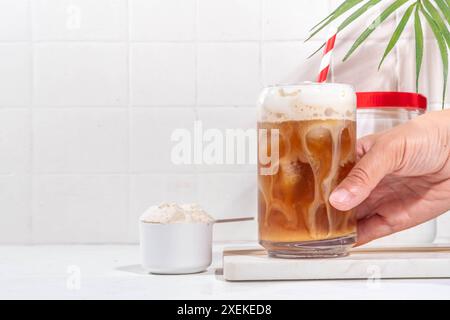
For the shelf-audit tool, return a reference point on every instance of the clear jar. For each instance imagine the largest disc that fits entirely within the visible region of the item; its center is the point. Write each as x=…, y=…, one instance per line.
x=380, y=111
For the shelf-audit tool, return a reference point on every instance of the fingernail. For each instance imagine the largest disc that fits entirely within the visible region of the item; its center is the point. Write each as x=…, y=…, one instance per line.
x=340, y=196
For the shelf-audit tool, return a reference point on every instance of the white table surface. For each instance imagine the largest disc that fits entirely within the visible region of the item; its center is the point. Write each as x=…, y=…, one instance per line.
x=113, y=272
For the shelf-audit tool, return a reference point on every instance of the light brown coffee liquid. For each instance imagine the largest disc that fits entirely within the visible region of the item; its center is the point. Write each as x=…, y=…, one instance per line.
x=314, y=157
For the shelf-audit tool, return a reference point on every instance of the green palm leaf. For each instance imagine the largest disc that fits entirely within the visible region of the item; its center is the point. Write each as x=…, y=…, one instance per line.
x=349, y=20
x=397, y=33
x=436, y=13
x=444, y=8
x=358, y=13
x=320, y=48
x=381, y=18
x=418, y=32
x=343, y=6
x=346, y=6
x=442, y=47
x=438, y=20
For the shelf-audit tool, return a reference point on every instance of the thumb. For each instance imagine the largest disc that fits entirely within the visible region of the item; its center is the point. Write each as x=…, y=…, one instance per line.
x=375, y=163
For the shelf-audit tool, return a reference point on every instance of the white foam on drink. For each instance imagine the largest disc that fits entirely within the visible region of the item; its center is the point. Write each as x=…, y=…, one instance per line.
x=308, y=101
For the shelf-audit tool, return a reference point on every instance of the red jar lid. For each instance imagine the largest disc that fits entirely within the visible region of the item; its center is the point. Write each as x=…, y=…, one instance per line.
x=386, y=99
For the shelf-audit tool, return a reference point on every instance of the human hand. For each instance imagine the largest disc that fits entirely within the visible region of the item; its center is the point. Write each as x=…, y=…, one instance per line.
x=402, y=178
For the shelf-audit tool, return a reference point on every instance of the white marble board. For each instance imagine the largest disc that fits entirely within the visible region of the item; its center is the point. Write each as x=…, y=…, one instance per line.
x=253, y=264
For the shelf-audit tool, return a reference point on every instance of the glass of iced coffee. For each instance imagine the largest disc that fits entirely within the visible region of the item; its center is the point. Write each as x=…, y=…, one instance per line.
x=306, y=146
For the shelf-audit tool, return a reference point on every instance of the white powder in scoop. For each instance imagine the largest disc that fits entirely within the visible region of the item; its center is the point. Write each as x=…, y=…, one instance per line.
x=167, y=213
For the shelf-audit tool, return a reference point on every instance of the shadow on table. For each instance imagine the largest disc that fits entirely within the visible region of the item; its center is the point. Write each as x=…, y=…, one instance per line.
x=139, y=270
x=135, y=268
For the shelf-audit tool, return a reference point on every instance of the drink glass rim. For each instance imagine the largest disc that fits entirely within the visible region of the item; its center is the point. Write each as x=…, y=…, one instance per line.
x=310, y=83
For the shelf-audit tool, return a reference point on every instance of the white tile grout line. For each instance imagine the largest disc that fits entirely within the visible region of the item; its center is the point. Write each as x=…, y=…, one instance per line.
x=196, y=72
x=80, y=173
x=20, y=107
x=260, y=44
x=12, y=42
x=68, y=107
x=124, y=107
x=196, y=50
x=222, y=41
x=190, y=170
x=164, y=173
x=32, y=80
x=317, y=38
x=129, y=49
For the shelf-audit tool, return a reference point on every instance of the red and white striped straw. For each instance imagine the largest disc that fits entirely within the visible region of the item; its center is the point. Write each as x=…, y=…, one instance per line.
x=327, y=54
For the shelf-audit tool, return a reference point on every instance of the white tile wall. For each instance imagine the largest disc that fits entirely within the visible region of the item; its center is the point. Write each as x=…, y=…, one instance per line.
x=15, y=209
x=229, y=20
x=91, y=90
x=286, y=62
x=291, y=19
x=80, y=141
x=150, y=140
x=163, y=74
x=15, y=74
x=15, y=140
x=14, y=20
x=162, y=20
x=79, y=19
x=228, y=73
x=230, y=195
x=67, y=74
x=224, y=118
x=80, y=208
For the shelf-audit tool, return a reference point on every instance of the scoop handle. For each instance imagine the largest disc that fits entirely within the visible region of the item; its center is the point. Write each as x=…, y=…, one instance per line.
x=234, y=220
